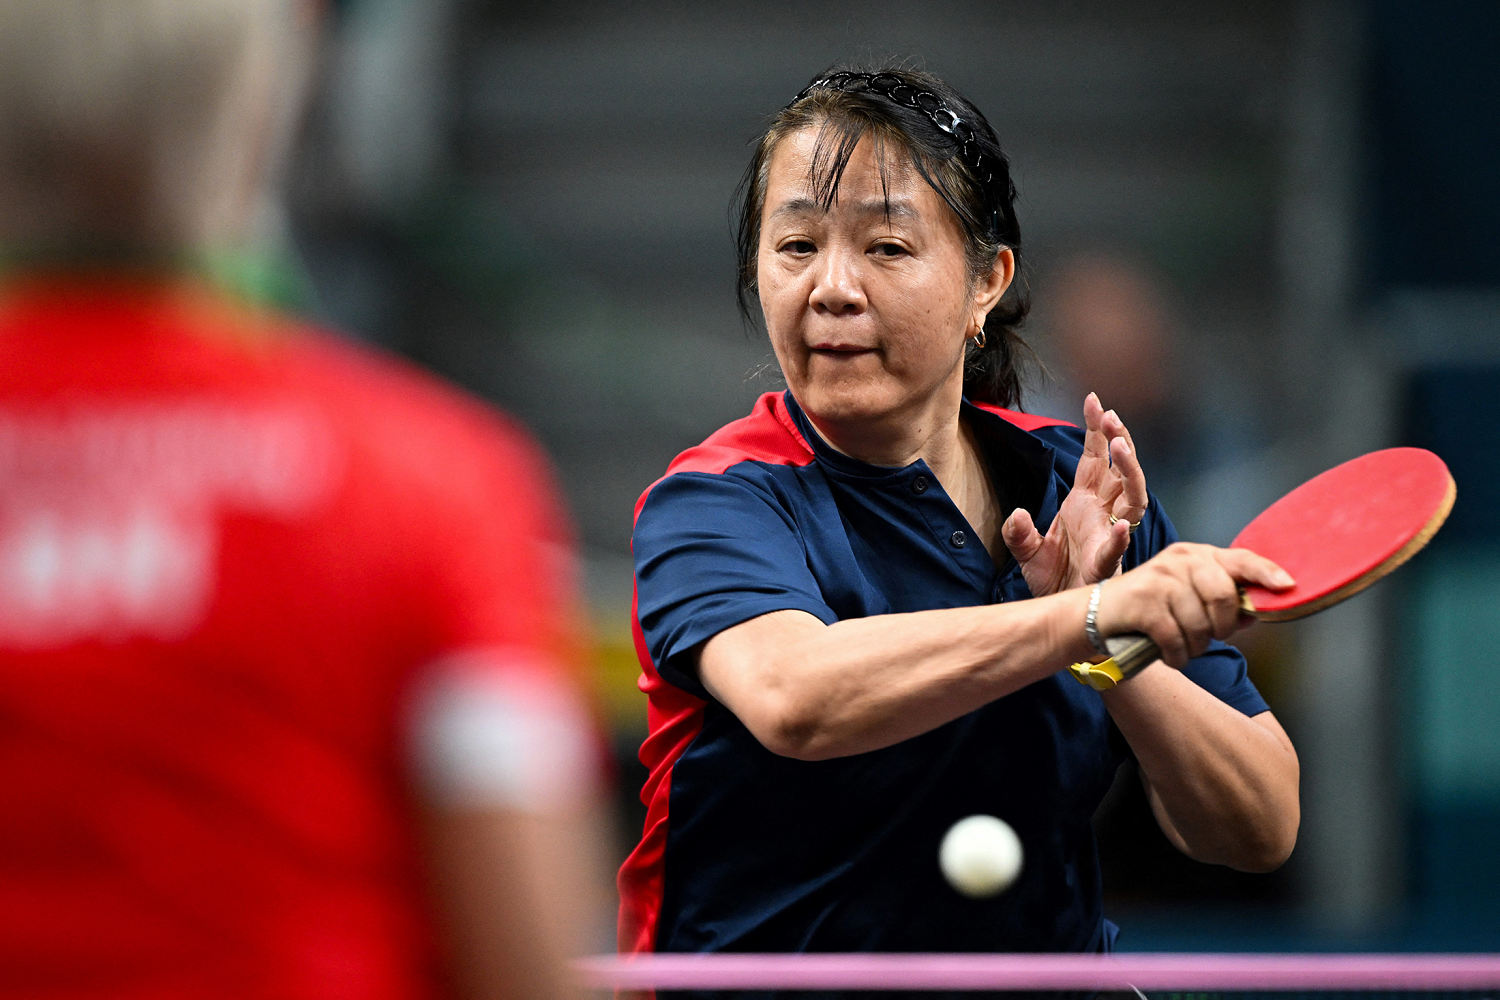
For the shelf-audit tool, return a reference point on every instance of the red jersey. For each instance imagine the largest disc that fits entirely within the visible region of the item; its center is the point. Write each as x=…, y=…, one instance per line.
x=233, y=554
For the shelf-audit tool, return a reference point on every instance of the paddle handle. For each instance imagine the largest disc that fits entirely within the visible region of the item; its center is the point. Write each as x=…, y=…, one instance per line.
x=1127, y=654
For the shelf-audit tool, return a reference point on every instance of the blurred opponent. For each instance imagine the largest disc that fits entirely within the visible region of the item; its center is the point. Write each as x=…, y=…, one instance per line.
x=289, y=703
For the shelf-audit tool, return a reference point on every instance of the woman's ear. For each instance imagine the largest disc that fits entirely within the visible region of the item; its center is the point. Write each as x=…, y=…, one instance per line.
x=993, y=283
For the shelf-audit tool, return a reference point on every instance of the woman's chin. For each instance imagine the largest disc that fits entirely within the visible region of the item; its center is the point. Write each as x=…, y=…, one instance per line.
x=861, y=412
x=836, y=406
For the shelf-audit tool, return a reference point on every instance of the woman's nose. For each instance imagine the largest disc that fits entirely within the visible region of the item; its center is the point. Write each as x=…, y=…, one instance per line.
x=837, y=285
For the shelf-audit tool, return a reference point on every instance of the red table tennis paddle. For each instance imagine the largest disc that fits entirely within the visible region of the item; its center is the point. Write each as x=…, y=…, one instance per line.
x=1335, y=534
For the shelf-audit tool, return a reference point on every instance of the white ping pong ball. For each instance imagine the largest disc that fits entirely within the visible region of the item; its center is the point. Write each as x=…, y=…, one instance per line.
x=980, y=856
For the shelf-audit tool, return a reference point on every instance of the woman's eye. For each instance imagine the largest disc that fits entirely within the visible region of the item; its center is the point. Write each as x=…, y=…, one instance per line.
x=797, y=246
x=889, y=250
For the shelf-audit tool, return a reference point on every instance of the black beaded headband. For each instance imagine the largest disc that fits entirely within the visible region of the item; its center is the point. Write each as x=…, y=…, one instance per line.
x=898, y=91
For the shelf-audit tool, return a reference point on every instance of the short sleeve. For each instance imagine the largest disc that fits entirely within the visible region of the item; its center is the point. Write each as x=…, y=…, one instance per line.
x=712, y=551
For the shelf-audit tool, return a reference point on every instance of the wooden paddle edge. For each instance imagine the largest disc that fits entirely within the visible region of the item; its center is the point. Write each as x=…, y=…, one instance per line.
x=1414, y=545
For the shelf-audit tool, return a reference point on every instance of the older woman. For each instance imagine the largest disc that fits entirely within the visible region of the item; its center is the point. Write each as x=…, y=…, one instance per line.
x=858, y=603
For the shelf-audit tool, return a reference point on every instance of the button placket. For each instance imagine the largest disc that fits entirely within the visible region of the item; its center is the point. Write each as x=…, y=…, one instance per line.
x=943, y=524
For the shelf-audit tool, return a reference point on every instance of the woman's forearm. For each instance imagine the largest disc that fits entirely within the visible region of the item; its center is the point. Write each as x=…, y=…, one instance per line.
x=816, y=691
x=812, y=691
x=1224, y=786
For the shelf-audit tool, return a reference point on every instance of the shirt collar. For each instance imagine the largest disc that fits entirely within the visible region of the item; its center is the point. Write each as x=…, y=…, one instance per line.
x=1023, y=465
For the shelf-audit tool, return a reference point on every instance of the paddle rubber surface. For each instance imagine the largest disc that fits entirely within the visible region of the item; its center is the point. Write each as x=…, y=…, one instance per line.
x=1346, y=528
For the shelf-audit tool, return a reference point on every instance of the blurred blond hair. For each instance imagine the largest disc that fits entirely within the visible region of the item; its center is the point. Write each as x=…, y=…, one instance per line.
x=145, y=124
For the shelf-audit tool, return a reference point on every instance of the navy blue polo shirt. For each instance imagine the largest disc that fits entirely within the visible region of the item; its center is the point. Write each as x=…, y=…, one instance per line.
x=744, y=850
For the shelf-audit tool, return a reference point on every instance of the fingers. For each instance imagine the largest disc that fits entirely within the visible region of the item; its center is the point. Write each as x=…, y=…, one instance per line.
x=1020, y=535
x=1219, y=600
x=1126, y=492
x=1106, y=560
x=1109, y=466
x=1093, y=465
x=1208, y=608
x=1249, y=567
x=1185, y=597
x=1131, y=502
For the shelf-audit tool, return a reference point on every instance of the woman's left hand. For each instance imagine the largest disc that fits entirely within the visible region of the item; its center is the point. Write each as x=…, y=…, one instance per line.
x=1088, y=537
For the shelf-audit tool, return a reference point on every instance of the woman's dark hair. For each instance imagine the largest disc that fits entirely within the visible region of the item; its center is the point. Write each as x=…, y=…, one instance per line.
x=950, y=145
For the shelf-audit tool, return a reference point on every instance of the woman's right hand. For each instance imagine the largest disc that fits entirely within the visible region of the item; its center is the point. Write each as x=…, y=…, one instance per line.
x=1185, y=596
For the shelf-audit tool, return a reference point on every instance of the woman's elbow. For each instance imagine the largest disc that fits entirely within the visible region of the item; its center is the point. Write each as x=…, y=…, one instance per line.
x=797, y=734
x=1272, y=834
x=1270, y=844
x=1268, y=858
x=787, y=725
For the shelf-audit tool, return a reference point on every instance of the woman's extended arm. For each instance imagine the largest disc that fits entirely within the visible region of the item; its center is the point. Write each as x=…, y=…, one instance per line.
x=814, y=691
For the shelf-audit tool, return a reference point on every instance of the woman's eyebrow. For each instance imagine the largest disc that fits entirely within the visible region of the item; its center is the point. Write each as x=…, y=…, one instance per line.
x=797, y=206
x=885, y=208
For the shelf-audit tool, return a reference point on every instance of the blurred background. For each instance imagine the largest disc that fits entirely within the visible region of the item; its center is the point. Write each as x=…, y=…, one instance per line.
x=1265, y=233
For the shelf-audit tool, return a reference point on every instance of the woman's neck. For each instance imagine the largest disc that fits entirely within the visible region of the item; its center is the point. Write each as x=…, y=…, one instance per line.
x=894, y=442
x=950, y=450
x=973, y=492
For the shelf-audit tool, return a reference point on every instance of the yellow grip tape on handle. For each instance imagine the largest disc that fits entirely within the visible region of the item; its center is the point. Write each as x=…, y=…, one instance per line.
x=1100, y=676
x=1127, y=655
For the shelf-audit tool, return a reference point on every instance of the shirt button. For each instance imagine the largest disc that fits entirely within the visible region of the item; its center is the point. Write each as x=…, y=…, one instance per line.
x=958, y=538
x=919, y=485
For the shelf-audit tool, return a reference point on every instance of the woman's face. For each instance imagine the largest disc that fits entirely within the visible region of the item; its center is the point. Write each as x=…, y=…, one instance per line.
x=868, y=304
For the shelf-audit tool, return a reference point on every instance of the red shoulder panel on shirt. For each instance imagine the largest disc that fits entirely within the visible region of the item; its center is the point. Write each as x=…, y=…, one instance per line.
x=766, y=434
x=1025, y=421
